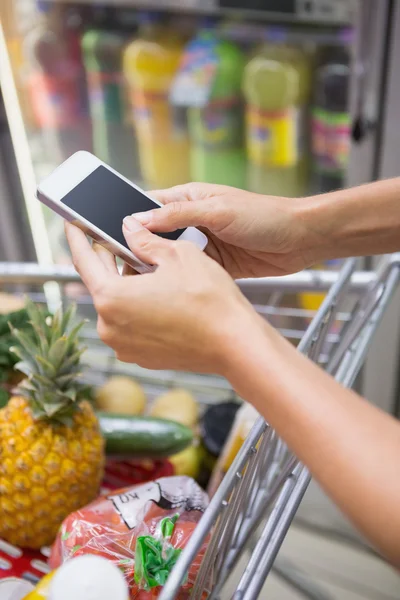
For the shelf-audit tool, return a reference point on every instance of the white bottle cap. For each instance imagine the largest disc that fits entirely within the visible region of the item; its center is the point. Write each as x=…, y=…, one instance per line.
x=88, y=578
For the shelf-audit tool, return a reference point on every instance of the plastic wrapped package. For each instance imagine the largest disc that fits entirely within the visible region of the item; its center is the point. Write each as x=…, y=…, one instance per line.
x=141, y=529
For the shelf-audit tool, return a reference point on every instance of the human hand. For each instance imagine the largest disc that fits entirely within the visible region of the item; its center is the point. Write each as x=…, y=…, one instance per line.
x=250, y=235
x=186, y=315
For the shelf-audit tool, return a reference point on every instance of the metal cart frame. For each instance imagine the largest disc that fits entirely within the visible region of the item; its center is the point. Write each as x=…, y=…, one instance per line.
x=259, y=496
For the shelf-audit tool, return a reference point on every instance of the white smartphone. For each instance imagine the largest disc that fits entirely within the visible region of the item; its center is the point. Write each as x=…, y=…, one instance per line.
x=96, y=198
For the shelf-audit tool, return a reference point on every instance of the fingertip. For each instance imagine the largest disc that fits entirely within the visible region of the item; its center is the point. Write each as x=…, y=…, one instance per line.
x=144, y=218
x=131, y=224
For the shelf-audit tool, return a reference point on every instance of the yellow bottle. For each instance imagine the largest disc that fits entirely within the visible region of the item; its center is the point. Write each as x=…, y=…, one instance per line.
x=276, y=86
x=150, y=63
x=245, y=418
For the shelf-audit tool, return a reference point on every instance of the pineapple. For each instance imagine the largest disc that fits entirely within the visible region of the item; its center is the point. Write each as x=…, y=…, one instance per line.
x=51, y=448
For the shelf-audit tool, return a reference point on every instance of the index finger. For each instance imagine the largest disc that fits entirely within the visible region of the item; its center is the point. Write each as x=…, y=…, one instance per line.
x=89, y=266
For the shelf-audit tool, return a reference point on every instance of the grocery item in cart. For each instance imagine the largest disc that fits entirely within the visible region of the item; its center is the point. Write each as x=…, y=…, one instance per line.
x=51, y=446
x=143, y=437
x=178, y=405
x=245, y=418
x=126, y=473
x=150, y=63
x=188, y=461
x=215, y=427
x=141, y=529
x=276, y=85
x=87, y=577
x=122, y=395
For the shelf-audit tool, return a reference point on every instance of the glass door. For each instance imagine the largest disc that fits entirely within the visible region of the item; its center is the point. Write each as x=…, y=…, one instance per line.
x=254, y=99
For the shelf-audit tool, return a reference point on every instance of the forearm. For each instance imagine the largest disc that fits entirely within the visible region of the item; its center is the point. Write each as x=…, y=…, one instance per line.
x=351, y=448
x=358, y=221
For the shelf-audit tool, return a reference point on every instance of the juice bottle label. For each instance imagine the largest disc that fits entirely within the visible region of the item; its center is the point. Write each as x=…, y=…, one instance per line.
x=220, y=125
x=273, y=136
x=105, y=96
x=193, y=83
x=154, y=118
x=330, y=140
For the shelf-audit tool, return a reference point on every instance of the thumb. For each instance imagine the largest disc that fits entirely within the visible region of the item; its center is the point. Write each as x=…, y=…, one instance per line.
x=176, y=215
x=148, y=247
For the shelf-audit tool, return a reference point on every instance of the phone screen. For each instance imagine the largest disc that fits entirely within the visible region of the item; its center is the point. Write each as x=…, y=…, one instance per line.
x=105, y=199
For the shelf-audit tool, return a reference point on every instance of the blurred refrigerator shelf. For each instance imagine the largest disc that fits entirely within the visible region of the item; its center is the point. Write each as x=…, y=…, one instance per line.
x=318, y=11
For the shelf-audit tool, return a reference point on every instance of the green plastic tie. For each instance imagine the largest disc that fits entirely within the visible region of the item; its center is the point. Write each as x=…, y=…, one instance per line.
x=154, y=556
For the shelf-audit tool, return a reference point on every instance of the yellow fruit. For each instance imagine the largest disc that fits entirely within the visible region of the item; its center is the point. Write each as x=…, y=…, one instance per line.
x=121, y=395
x=51, y=448
x=177, y=405
x=46, y=486
x=187, y=462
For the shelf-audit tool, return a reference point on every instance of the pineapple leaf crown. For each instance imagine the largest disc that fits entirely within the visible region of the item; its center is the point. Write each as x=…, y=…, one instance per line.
x=20, y=320
x=49, y=355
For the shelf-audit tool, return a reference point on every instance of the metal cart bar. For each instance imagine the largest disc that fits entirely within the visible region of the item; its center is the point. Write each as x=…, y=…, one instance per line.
x=305, y=281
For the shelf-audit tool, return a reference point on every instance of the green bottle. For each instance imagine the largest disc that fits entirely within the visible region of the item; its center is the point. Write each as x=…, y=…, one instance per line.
x=216, y=130
x=113, y=136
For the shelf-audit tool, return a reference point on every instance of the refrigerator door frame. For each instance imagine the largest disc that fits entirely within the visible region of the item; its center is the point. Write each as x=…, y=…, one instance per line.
x=23, y=159
x=16, y=243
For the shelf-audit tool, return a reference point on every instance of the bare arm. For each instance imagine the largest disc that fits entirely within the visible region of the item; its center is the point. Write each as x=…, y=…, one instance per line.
x=351, y=447
x=358, y=221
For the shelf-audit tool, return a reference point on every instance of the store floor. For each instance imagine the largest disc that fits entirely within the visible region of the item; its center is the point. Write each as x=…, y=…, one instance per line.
x=343, y=571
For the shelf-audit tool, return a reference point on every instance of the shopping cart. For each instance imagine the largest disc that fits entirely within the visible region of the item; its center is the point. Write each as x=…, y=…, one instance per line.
x=253, y=507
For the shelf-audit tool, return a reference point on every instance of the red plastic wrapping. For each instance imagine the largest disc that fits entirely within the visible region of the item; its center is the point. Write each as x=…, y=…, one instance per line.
x=118, y=526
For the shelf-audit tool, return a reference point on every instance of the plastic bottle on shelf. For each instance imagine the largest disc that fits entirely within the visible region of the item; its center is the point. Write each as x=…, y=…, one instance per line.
x=82, y=578
x=150, y=63
x=331, y=122
x=331, y=134
x=276, y=86
x=216, y=130
x=56, y=81
x=113, y=136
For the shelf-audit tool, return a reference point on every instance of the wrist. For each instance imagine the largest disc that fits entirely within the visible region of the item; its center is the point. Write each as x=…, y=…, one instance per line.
x=321, y=217
x=250, y=353
x=359, y=221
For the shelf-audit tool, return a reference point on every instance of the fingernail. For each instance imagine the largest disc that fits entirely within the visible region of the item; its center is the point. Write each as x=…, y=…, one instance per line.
x=132, y=224
x=144, y=217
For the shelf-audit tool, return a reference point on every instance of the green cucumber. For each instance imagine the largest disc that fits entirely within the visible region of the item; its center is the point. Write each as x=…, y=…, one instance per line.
x=143, y=437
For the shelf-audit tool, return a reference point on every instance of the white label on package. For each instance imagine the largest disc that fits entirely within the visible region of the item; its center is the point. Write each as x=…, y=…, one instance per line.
x=169, y=493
